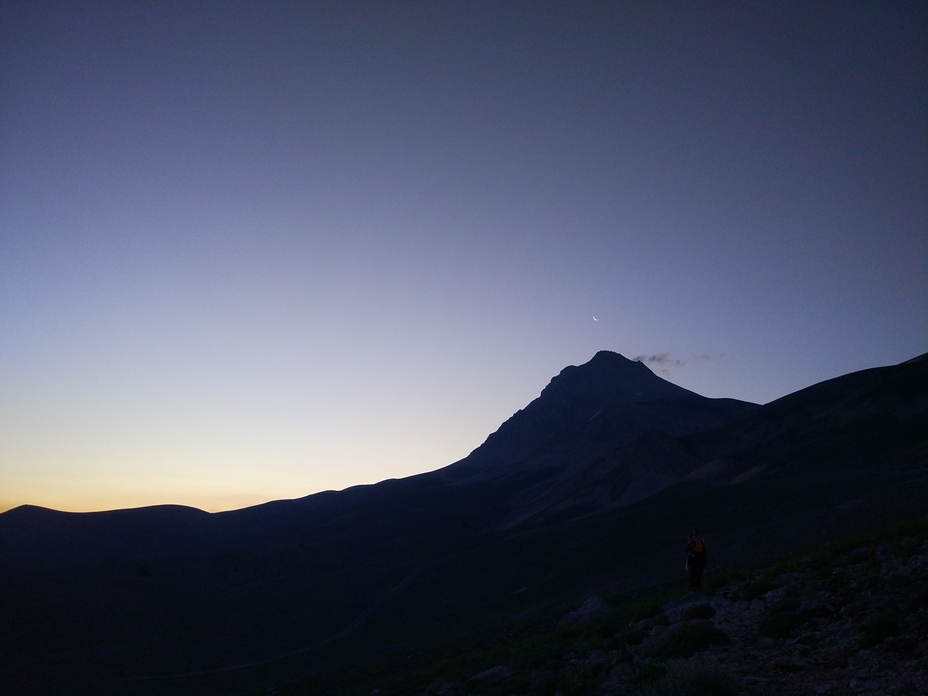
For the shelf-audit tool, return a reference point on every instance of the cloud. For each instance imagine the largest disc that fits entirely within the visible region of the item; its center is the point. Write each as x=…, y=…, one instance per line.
x=660, y=359
x=666, y=360
x=710, y=358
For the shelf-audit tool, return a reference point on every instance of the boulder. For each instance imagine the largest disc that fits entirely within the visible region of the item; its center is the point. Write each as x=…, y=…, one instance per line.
x=684, y=640
x=592, y=608
x=491, y=676
x=815, y=608
x=791, y=663
x=678, y=609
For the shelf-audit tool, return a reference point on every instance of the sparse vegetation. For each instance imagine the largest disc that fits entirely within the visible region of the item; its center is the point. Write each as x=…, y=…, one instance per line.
x=690, y=638
x=781, y=624
x=546, y=660
x=880, y=626
x=689, y=678
x=718, y=579
x=757, y=588
x=699, y=611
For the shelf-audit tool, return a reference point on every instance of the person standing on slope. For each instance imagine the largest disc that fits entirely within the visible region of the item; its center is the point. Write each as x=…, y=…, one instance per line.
x=696, y=557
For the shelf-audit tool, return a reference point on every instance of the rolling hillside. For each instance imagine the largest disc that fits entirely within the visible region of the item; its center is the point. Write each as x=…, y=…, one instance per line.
x=591, y=487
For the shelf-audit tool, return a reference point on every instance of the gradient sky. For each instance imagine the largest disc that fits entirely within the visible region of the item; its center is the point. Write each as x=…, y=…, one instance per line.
x=254, y=250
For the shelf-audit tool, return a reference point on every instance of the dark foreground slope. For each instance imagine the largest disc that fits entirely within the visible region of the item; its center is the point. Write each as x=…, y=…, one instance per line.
x=171, y=599
x=843, y=619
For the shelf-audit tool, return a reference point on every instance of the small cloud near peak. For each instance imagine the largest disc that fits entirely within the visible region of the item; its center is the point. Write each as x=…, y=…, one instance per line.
x=665, y=360
x=710, y=358
x=660, y=359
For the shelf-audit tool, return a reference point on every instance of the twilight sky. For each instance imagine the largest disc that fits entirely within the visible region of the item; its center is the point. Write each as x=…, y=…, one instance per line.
x=254, y=250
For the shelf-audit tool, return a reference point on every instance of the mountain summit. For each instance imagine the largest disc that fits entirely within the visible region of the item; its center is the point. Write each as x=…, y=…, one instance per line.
x=589, y=410
x=610, y=378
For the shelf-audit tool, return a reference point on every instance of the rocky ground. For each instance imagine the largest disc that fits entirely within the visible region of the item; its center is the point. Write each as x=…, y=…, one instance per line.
x=858, y=624
x=852, y=623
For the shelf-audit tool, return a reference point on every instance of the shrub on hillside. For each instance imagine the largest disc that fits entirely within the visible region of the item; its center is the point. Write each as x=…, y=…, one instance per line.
x=699, y=611
x=689, y=639
x=650, y=672
x=918, y=599
x=755, y=589
x=724, y=579
x=786, y=604
x=781, y=624
x=689, y=678
x=879, y=627
x=649, y=607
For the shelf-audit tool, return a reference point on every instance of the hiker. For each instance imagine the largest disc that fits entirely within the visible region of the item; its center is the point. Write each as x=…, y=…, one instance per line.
x=696, y=557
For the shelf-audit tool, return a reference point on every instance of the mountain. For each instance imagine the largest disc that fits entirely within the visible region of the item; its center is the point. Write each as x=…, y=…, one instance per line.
x=610, y=401
x=611, y=416
x=592, y=485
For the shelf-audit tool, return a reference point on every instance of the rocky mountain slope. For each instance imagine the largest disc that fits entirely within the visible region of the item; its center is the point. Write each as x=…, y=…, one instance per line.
x=589, y=488
x=851, y=619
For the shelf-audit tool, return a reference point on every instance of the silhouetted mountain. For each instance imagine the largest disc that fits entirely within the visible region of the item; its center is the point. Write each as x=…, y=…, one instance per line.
x=609, y=400
x=870, y=420
x=610, y=415
x=593, y=485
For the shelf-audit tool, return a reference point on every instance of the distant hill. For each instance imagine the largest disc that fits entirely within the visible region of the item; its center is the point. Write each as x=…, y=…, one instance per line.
x=592, y=486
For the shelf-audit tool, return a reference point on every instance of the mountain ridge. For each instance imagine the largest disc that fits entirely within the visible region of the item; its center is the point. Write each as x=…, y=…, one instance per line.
x=609, y=388
x=525, y=525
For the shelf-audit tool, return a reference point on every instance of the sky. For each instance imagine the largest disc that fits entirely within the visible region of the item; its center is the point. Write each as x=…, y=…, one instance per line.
x=255, y=250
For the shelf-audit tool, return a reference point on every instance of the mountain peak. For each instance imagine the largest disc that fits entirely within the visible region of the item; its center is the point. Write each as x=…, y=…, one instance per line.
x=608, y=402
x=611, y=377
x=610, y=355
